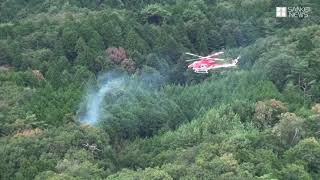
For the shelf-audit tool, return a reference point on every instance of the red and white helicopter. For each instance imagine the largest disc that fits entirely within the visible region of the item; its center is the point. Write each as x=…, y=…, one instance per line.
x=204, y=63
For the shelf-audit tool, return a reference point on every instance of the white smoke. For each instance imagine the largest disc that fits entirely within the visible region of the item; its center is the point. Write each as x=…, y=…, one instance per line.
x=95, y=99
x=112, y=83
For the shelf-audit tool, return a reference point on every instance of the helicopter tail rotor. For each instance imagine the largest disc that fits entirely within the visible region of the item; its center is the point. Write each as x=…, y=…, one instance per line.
x=235, y=61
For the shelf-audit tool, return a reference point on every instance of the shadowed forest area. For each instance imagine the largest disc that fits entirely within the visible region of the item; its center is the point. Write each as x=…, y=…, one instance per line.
x=161, y=120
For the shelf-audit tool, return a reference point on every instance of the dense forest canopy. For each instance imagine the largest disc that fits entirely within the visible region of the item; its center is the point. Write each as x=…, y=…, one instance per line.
x=260, y=120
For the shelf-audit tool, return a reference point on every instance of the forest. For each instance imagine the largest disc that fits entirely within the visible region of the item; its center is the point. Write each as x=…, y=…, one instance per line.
x=155, y=118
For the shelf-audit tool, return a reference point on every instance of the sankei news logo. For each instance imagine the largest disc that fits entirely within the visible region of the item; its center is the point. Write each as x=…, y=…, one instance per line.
x=300, y=12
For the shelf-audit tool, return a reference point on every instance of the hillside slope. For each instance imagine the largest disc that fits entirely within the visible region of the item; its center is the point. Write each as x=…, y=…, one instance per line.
x=257, y=121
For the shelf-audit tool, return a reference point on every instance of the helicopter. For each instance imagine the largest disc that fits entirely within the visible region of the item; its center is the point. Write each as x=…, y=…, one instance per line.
x=202, y=64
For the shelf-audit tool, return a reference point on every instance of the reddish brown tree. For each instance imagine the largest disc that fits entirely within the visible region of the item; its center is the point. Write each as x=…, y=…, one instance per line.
x=117, y=55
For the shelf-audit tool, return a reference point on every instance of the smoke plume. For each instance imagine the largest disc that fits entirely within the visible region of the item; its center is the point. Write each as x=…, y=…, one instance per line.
x=110, y=85
x=95, y=98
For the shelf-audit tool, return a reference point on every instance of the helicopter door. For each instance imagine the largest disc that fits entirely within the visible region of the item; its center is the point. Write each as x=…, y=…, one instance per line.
x=203, y=66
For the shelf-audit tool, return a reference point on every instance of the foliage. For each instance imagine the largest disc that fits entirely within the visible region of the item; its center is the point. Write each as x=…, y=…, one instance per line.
x=258, y=121
x=267, y=113
x=155, y=14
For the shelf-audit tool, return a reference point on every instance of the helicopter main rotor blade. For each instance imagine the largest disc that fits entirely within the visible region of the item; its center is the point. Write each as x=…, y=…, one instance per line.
x=191, y=59
x=215, y=54
x=217, y=59
x=194, y=55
